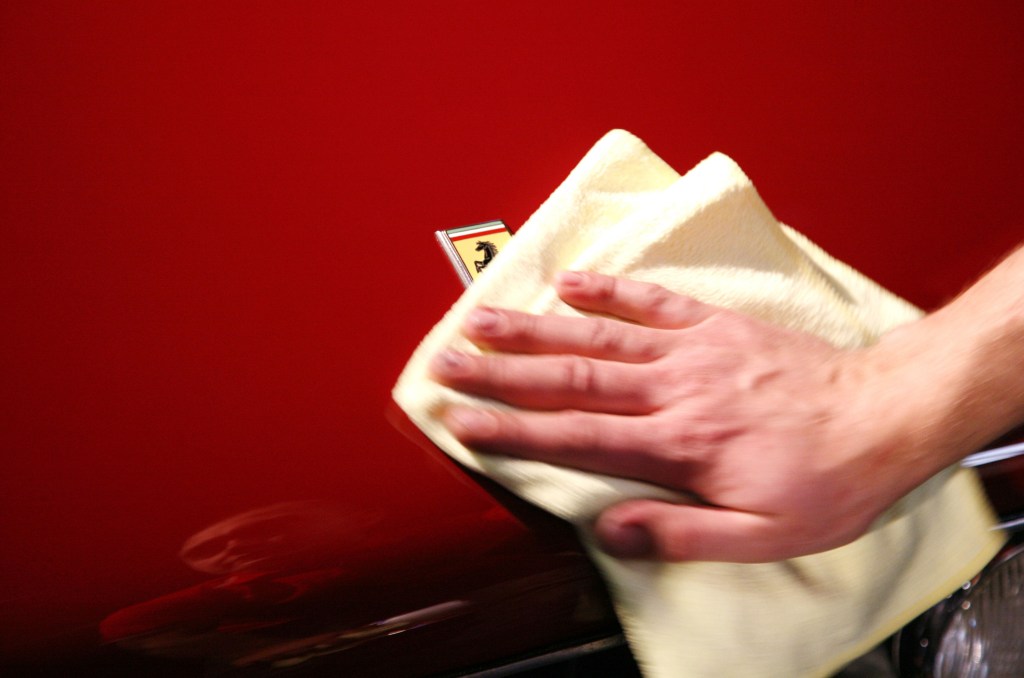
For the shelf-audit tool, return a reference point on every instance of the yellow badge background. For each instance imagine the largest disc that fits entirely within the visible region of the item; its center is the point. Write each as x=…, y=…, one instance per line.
x=469, y=254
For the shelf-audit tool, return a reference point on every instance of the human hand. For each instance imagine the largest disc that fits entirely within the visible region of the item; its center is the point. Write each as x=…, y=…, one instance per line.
x=785, y=438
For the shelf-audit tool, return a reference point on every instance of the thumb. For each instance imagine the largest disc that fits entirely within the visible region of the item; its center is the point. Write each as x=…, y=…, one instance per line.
x=657, y=530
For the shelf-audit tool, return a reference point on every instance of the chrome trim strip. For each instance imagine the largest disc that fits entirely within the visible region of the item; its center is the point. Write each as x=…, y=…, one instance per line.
x=992, y=456
x=549, y=658
x=1011, y=525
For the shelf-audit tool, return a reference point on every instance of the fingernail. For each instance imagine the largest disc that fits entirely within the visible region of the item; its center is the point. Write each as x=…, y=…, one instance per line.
x=486, y=321
x=625, y=540
x=570, y=279
x=450, y=362
x=470, y=421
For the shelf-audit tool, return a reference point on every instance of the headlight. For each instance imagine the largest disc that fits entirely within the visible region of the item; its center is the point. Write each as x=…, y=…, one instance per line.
x=978, y=632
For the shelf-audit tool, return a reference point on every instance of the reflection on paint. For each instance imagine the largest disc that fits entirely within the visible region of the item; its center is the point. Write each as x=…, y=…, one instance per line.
x=277, y=537
x=298, y=580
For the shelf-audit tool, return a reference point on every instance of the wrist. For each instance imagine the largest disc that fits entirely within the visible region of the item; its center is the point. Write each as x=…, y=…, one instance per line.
x=946, y=385
x=895, y=413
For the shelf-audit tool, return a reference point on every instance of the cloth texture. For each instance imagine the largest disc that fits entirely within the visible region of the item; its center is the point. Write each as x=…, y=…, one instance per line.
x=623, y=211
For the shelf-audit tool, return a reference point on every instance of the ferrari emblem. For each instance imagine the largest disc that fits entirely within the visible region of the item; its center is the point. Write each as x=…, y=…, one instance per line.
x=470, y=249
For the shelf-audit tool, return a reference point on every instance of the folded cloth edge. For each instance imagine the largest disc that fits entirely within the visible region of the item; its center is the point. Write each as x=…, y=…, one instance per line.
x=652, y=172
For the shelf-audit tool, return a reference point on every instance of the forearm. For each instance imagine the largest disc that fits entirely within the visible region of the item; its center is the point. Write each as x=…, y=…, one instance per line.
x=957, y=376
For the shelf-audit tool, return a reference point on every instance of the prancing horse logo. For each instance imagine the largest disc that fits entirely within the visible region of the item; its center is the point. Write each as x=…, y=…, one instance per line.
x=489, y=251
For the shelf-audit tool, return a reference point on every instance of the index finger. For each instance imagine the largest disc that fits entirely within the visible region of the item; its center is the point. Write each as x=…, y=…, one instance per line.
x=601, y=338
x=644, y=303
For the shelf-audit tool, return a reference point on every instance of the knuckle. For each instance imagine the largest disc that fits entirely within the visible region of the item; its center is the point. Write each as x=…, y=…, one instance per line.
x=506, y=430
x=613, y=338
x=579, y=375
x=676, y=450
x=605, y=288
x=607, y=337
x=688, y=307
x=521, y=326
x=655, y=300
x=700, y=432
x=717, y=434
x=647, y=348
x=670, y=383
x=683, y=469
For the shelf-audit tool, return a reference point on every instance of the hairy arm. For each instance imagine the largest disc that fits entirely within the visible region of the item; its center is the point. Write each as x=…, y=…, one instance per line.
x=794, y=446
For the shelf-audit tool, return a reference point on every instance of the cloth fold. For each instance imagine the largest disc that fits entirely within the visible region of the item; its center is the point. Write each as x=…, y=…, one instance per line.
x=623, y=211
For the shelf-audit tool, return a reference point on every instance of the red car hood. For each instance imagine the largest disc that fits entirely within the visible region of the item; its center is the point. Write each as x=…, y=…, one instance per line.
x=217, y=256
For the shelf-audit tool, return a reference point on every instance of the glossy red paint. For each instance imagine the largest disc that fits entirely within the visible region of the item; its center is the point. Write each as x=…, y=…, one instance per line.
x=217, y=256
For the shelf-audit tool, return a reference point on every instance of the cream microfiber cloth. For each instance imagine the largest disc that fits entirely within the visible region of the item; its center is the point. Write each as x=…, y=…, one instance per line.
x=623, y=211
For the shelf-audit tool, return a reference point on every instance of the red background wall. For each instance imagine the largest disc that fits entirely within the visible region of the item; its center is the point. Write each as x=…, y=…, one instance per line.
x=216, y=220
